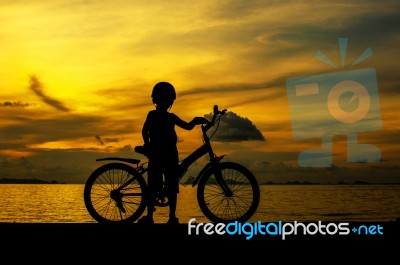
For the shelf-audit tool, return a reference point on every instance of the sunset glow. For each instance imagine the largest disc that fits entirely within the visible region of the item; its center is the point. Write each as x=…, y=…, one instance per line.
x=76, y=76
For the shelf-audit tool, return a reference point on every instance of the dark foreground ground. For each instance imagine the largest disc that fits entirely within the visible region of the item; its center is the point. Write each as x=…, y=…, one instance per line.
x=95, y=233
x=37, y=240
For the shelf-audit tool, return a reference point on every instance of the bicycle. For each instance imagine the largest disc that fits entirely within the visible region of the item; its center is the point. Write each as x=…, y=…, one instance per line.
x=117, y=192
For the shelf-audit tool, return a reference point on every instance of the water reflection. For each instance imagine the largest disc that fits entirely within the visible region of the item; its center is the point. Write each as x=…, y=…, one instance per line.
x=60, y=203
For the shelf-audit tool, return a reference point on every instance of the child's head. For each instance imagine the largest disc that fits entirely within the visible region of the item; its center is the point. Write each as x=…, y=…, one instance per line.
x=163, y=94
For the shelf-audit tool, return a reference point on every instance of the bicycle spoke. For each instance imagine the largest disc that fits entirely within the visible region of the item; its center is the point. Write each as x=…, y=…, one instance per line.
x=241, y=200
x=113, y=193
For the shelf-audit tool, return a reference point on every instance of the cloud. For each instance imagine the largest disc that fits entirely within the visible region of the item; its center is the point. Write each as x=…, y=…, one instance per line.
x=35, y=130
x=58, y=165
x=98, y=138
x=102, y=141
x=363, y=30
x=14, y=104
x=37, y=88
x=229, y=88
x=234, y=128
x=15, y=167
x=127, y=147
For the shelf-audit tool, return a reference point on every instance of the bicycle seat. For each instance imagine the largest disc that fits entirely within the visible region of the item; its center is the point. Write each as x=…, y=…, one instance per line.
x=127, y=160
x=141, y=149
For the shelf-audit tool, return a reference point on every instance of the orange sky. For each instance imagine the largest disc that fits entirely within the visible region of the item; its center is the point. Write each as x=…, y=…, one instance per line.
x=76, y=76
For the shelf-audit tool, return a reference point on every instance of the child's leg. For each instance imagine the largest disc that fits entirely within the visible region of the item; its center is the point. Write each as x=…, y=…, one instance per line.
x=172, y=198
x=150, y=209
x=172, y=193
x=154, y=182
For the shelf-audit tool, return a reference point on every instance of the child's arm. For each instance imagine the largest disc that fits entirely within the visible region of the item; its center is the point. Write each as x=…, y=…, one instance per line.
x=189, y=125
x=145, y=131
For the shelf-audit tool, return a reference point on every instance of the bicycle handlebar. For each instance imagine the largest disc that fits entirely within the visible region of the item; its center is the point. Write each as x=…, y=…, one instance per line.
x=212, y=122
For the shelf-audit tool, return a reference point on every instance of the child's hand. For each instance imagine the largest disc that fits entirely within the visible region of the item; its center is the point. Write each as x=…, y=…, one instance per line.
x=200, y=120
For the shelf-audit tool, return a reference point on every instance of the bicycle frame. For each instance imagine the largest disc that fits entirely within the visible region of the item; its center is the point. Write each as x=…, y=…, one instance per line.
x=198, y=153
x=184, y=165
x=214, y=160
x=226, y=191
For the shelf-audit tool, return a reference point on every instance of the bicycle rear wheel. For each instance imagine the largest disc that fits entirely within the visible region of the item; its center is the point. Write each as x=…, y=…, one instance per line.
x=239, y=205
x=109, y=199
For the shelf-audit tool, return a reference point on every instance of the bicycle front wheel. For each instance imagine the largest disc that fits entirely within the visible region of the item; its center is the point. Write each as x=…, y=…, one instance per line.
x=237, y=202
x=115, y=193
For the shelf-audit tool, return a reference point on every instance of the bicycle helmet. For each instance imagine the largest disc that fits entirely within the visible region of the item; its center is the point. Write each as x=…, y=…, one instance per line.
x=163, y=92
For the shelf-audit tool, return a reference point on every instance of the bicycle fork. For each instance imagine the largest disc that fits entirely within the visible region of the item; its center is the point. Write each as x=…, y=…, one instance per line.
x=221, y=181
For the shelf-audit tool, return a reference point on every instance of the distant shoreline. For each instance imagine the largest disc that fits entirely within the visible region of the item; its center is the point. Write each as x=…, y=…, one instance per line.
x=289, y=183
x=317, y=183
x=27, y=181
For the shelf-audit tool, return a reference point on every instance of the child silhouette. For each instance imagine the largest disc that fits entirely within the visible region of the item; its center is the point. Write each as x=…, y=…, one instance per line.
x=160, y=139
